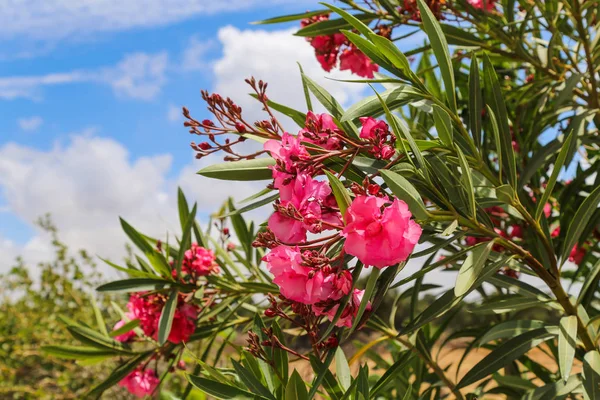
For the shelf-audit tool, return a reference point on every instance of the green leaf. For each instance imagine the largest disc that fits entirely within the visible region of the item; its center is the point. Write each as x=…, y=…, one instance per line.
x=443, y=125
x=392, y=372
x=472, y=268
x=251, y=381
x=475, y=100
x=505, y=354
x=331, y=26
x=296, y=389
x=567, y=343
x=397, y=58
x=117, y=375
x=342, y=369
x=560, y=161
x=319, y=374
x=467, y=181
x=166, y=317
x=244, y=170
x=186, y=239
x=157, y=260
x=77, y=352
x=495, y=99
x=218, y=389
x=298, y=117
x=372, y=280
x=134, y=285
x=340, y=193
x=330, y=104
x=182, y=207
x=393, y=98
x=291, y=17
x=129, y=326
x=440, y=50
x=98, y=315
x=405, y=191
x=579, y=222
x=351, y=19
x=510, y=329
x=591, y=375
x=588, y=287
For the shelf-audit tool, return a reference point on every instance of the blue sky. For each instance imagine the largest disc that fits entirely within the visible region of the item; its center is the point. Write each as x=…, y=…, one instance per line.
x=90, y=94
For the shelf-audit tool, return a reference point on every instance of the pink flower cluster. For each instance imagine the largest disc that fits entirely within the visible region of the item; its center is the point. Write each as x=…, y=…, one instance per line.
x=306, y=278
x=329, y=47
x=147, y=309
x=377, y=132
x=199, y=261
x=378, y=231
x=140, y=382
x=303, y=283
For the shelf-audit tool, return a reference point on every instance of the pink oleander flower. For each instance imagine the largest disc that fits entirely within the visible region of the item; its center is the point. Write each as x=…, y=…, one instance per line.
x=286, y=152
x=577, y=254
x=299, y=282
x=312, y=200
x=547, y=210
x=124, y=337
x=349, y=313
x=199, y=261
x=358, y=63
x=184, y=323
x=380, y=236
x=487, y=5
x=140, y=383
x=516, y=232
x=148, y=309
x=377, y=132
x=321, y=130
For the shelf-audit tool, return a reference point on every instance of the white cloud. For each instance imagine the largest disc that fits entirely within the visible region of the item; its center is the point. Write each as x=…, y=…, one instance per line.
x=55, y=19
x=174, y=113
x=30, y=124
x=138, y=75
x=273, y=57
x=87, y=183
x=195, y=54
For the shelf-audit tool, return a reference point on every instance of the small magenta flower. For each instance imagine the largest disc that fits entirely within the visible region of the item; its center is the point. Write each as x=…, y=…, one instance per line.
x=378, y=233
x=140, y=383
x=487, y=5
x=199, y=261
x=377, y=132
x=358, y=63
x=321, y=130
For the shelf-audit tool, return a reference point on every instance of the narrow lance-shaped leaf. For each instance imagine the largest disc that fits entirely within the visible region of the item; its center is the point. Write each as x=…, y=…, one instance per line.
x=244, y=170
x=504, y=354
x=443, y=125
x=467, y=181
x=567, y=342
x=296, y=388
x=186, y=239
x=475, y=100
x=405, y=191
x=495, y=99
x=342, y=369
x=591, y=375
x=560, y=161
x=166, y=317
x=472, y=268
x=441, y=51
x=579, y=222
x=340, y=193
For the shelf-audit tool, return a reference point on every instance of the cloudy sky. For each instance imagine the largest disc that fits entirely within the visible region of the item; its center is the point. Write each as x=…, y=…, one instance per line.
x=91, y=93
